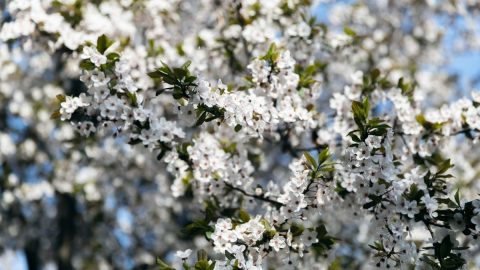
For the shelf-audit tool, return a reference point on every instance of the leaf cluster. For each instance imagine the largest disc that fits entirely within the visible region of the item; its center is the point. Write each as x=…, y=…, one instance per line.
x=366, y=126
x=181, y=80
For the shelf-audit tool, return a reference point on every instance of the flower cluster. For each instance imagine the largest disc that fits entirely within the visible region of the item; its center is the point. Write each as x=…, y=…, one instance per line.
x=262, y=134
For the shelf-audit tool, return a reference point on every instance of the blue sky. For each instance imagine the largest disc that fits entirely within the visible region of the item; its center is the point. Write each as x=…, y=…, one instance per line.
x=465, y=64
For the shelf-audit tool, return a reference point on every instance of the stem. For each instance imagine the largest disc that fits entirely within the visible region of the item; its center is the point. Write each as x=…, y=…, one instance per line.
x=259, y=197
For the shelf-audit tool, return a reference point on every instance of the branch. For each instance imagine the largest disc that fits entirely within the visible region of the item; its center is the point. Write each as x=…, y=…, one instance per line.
x=258, y=197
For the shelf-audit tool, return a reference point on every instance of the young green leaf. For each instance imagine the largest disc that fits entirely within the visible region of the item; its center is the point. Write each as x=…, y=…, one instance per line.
x=103, y=43
x=310, y=160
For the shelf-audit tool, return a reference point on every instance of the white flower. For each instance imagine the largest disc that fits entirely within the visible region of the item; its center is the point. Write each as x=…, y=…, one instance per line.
x=308, y=237
x=260, y=70
x=223, y=224
x=373, y=141
x=277, y=242
x=93, y=55
x=251, y=231
x=476, y=204
x=69, y=106
x=87, y=128
x=415, y=176
x=361, y=152
x=476, y=220
x=348, y=182
x=303, y=29
x=409, y=208
x=285, y=61
x=431, y=204
x=183, y=254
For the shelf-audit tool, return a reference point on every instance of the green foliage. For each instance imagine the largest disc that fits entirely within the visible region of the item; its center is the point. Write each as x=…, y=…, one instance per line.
x=163, y=266
x=349, y=31
x=436, y=182
x=374, y=80
x=311, y=161
x=204, y=265
x=307, y=73
x=55, y=115
x=430, y=127
x=443, y=257
x=244, y=216
x=59, y=99
x=86, y=64
x=296, y=229
x=153, y=50
x=325, y=241
x=360, y=112
x=374, y=126
x=407, y=88
x=199, y=226
x=374, y=200
x=72, y=13
x=103, y=43
x=272, y=54
x=179, y=78
x=319, y=166
x=208, y=114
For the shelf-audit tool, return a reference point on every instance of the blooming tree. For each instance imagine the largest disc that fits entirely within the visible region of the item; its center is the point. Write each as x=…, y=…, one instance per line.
x=271, y=139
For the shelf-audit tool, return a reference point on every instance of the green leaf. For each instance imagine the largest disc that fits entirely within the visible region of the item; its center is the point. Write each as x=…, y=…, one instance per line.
x=355, y=138
x=103, y=42
x=202, y=265
x=163, y=266
x=60, y=97
x=421, y=119
x=453, y=262
x=55, y=115
x=444, y=166
x=430, y=262
x=310, y=160
x=366, y=107
x=357, y=109
x=202, y=255
x=374, y=74
x=186, y=65
x=199, y=226
x=201, y=119
x=132, y=97
x=349, y=31
x=323, y=156
x=86, y=64
x=369, y=205
x=229, y=255
x=236, y=265
x=113, y=56
x=244, y=216
x=360, y=114
x=272, y=54
x=444, y=249
x=296, y=229
x=457, y=197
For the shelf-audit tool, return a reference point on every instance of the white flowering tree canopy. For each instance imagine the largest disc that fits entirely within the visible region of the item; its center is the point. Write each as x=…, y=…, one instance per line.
x=239, y=134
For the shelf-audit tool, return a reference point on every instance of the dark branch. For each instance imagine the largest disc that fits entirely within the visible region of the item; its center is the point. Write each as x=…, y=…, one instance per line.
x=258, y=197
